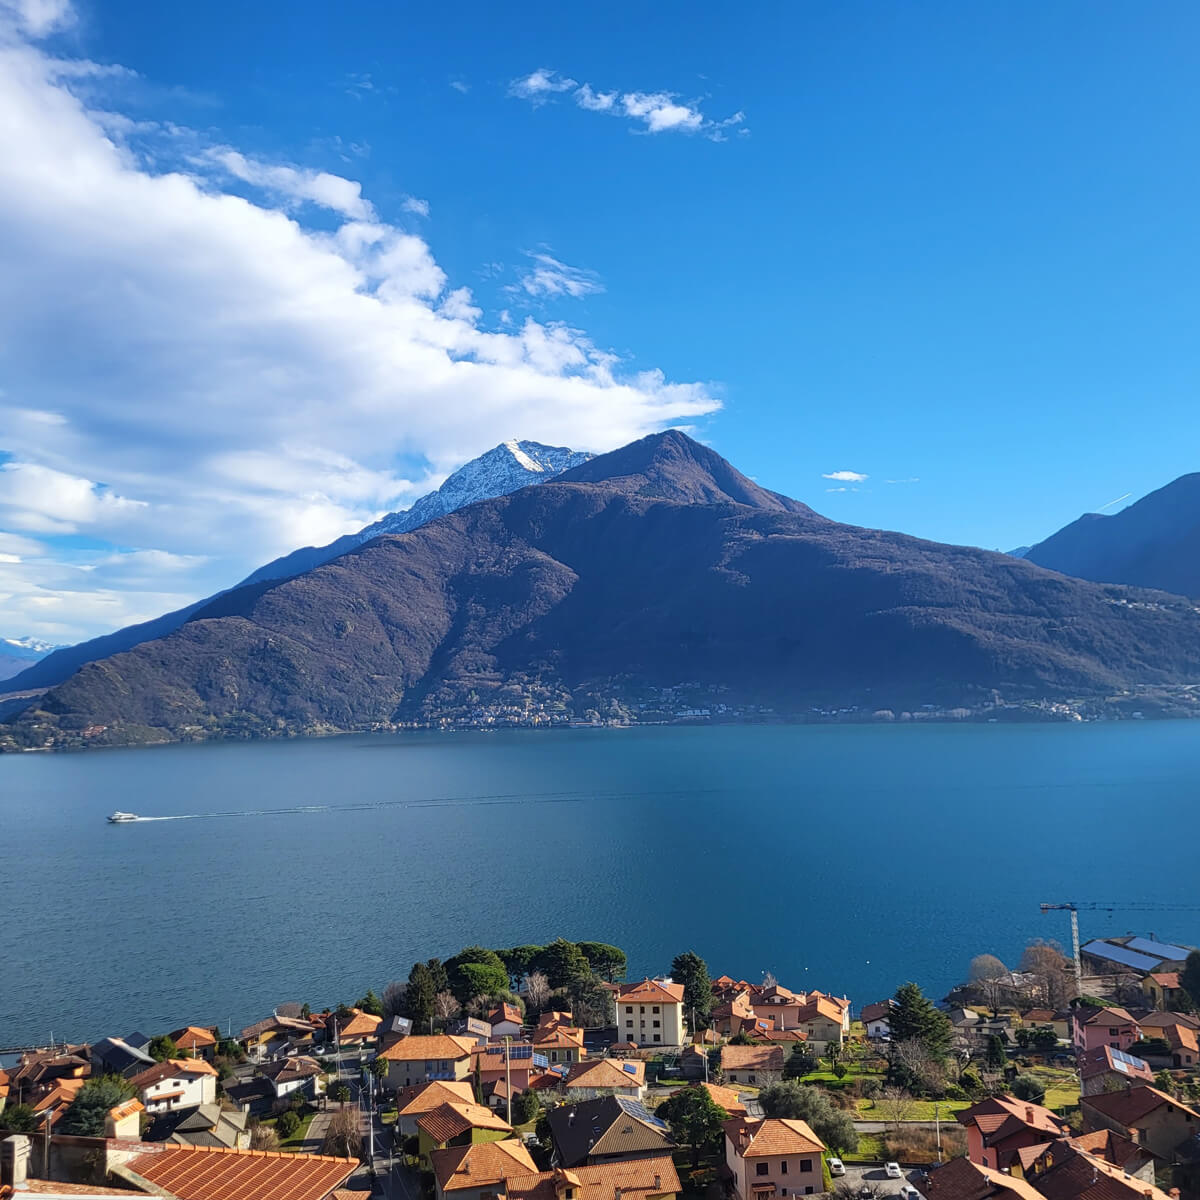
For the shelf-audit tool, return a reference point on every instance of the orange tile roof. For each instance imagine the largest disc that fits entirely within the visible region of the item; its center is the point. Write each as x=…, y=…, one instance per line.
x=421, y=1046
x=121, y=1111
x=449, y=1120
x=604, y=1073
x=558, y=1036
x=64, y=1091
x=506, y=1012
x=993, y=1113
x=1182, y=1037
x=427, y=1096
x=217, y=1173
x=723, y=1097
x=821, y=1006
x=641, y=1176
x=483, y=1164
x=1132, y=1104
x=173, y=1066
x=754, y=1138
x=752, y=1058
x=358, y=1024
x=555, y=1017
x=1166, y=979
x=650, y=991
x=192, y=1037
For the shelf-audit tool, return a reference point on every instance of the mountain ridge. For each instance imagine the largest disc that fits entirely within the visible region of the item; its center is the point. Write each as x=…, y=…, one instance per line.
x=596, y=594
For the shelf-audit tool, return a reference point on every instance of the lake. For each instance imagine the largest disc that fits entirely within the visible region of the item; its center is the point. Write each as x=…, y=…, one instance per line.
x=849, y=858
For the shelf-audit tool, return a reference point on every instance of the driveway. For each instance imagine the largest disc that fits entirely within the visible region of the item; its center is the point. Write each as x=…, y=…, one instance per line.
x=873, y=1176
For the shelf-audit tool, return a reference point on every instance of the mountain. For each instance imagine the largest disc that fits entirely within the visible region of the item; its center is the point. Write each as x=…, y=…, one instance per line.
x=504, y=469
x=653, y=567
x=1154, y=543
x=17, y=653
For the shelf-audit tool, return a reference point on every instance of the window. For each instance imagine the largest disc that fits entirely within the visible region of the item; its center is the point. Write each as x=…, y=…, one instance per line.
x=808, y=1191
x=629, y=1008
x=783, y=1167
x=761, y=1168
x=655, y=1008
x=752, y=1080
x=570, y=1194
x=628, y=1024
x=658, y=1037
x=657, y=1024
x=805, y=1165
x=1113, y=1032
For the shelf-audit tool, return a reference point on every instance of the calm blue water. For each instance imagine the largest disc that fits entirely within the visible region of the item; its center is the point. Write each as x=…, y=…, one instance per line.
x=847, y=858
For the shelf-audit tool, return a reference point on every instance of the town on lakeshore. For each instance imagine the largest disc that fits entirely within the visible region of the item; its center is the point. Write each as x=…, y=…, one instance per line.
x=543, y=1073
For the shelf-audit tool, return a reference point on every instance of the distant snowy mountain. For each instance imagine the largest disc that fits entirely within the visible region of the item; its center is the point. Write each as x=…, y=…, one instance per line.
x=507, y=468
x=18, y=653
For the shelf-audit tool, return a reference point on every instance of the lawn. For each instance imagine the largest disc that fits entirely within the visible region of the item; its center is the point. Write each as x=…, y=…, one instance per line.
x=296, y=1141
x=1062, y=1087
x=870, y=1149
x=921, y=1110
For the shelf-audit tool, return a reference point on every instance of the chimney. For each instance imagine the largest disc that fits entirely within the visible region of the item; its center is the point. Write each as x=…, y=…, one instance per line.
x=1029, y=1113
x=15, y=1153
x=658, y=1183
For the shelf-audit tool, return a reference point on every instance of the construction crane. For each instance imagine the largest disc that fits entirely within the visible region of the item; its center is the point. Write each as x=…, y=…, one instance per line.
x=1109, y=906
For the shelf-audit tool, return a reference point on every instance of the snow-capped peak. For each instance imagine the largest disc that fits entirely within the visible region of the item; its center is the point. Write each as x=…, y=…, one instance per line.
x=32, y=644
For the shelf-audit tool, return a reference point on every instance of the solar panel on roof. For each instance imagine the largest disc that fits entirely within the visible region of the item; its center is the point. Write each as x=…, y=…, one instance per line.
x=1119, y=954
x=1127, y=1062
x=1160, y=950
x=629, y=1067
x=635, y=1108
x=540, y=1060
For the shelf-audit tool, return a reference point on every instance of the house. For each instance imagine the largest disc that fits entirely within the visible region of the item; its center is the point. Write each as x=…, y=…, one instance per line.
x=357, y=1028
x=730, y=1017
x=756, y=1065
x=1000, y=1126
x=778, y=1005
x=267, y=1037
x=514, y=1063
x=605, y=1075
x=479, y=1170
x=205, y=1172
x=392, y=1029
x=289, y=1075
x=208, y=1125
x=1092, y=1027
x=637, y=1179
x=1162, y=989
x=505, y=1021
x=1154, y=1120
x=176, y=1083
x=1059, y=1021
x=1107, y=1070
x=420, y=1058
x=458, y=1123
x=40, y=1071
x=1120, y=1151
x=650, y=1013
x=57, y=1099
x=470, y=1027
x=124, y=1120
x=770, y=1157
x=877, y=1020
x=606, y=1128
x=722, y=1097
x=1066, y=1171
x=559, y=1043
x=194, y=1041
x=414, y=1102
x=964, y=1179
x=115, y=1056
x=825, y=1019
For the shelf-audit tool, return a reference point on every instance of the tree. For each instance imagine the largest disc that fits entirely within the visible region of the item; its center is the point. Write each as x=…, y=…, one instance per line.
x=378, y=1067
x=741, y=1038
x=419, y=996
x=343, y=1137
x=1043, y=1037
x=445, y=1006
x=1054, y=980
x=305, y=1011
x=163, y=1047
x=915, y=1017
x=394, y=999
x=526, y=1106
x=695, y=1120
x=475, y=971
x=287, y=1124
x=691, y=970
x=800, y=1061
x=1189, y=977
x=342, y=1094
x=609, y=962
x=592, y=1004
x=896, y=1105
x=518, y=961
x=18, y=1118
x=797, y=1101
x=263, y=1137
x=1028, y=1087
x=537, y=991
x=990, y=977
x=912, y=1066
x=371, y=1003
x=563, y=963
x=997, y=1053
x=441, y=977
x=87, y=1113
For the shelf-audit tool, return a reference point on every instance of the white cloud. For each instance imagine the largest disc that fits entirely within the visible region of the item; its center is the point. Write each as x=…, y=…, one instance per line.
x=846, y=476
x=654, y=112
x=37, y=18
x=205, y=381
x=550, y=277
x=539, y=86
x=460, y=85
x=910, y=479
x=294, y=183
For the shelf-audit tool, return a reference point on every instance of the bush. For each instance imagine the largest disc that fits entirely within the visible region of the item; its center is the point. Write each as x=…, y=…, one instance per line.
x=1028, y=1087
x=288, y=1124
x=920, y=1145
x=954, y=1092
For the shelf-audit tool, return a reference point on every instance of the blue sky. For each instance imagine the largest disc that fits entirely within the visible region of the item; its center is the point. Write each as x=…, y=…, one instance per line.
x=950, y=248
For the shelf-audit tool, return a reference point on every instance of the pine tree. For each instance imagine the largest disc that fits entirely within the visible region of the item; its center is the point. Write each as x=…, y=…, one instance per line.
x=419, y=996
x=692, y=971
x=915, y=1018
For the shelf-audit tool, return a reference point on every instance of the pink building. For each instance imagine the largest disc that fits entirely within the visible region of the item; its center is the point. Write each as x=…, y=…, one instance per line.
x=770, y=1157
x=1092, y=1028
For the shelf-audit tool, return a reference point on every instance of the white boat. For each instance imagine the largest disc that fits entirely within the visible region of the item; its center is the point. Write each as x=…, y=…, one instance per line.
x=119, y=818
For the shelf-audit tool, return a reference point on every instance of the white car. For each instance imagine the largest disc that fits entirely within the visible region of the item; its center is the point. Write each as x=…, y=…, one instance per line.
x=908, y=1192
x=892, y=1170
x=836, y=1167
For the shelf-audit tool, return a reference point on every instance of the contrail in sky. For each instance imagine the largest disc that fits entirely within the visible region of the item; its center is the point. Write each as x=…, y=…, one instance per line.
x=1116, y=501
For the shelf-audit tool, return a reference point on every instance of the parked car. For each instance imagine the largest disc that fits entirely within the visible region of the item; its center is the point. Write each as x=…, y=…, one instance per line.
x=892, y=1170
x=908, y=1192
x=836, y=1167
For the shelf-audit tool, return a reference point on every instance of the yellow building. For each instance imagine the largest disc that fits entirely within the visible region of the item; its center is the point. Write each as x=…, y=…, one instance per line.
x=650, y=1013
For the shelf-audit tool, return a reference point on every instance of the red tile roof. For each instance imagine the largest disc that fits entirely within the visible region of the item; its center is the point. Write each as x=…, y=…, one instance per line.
x=755, y=1138
x=752, y=1058
x=449, y=1120
x=420, y=1047
x=427, y=1096
x=650, y=991
x=642, y=1177
x=210, y=1173
x=483, y=1164
x=603, y=1073
x=193, y=1037
x=1132, y=1104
